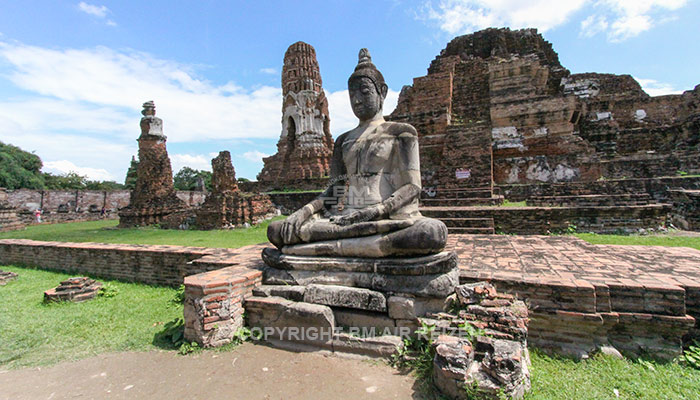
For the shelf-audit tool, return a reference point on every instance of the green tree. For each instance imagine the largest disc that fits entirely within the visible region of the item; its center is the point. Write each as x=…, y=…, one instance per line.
x=104, y=185
x=19, y=169
x=131, y=174
x=67, y=181
x=186, y=179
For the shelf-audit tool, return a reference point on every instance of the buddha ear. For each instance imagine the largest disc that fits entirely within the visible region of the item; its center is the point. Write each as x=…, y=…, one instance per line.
x=384, y=90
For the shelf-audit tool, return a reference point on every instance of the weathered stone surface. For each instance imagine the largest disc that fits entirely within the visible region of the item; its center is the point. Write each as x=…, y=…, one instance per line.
x=343, y=296
x=401, y=307
x=74, y=289
x=490, y=369
x=6, y=276
x=348, y=318
x=305, y=145
x=296, y=321
x=686, y=209
x=289, y=292
x=375, y=347
x=153, y=197
x=432, y=264
x=437, y=285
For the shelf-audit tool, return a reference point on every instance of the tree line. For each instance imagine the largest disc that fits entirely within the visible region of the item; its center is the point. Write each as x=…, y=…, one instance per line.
x=20, y=169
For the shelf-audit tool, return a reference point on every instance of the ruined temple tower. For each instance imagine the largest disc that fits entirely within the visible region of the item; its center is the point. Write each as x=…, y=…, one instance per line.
x=305, y=146
x=154, y=196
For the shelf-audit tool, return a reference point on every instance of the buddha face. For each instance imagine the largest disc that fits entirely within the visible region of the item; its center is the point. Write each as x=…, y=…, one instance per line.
x=366, y=102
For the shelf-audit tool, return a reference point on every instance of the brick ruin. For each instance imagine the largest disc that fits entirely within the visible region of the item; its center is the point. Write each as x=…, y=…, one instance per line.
x=227, y=206
x=154, y=196
x=498, y=107
x=9, y=220
x=305, y=146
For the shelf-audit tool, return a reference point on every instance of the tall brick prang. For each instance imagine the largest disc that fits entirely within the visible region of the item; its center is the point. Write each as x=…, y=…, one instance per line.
x=154, y=196
x=305, y=146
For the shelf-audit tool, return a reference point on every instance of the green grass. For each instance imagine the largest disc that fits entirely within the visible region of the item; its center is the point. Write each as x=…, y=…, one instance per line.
x=597, y=378
x=33, y=333
x=105, y=232
x=668, y=240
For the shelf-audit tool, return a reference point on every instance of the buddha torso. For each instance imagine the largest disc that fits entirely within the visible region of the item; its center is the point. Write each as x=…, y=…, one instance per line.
x=375, y=168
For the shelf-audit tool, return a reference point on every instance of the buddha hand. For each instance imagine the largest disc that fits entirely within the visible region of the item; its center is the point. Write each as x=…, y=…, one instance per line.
x=291, y=226
x=367, y=214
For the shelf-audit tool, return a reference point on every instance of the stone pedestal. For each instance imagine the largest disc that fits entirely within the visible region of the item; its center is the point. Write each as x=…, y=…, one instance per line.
x=74, y=289
x=362, y=306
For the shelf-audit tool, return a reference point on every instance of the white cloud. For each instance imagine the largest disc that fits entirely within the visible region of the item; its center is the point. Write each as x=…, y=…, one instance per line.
x=271, y=71
x=194, y=161
x=624, y=19
x=97, y=11
x=618, y=19
x=114, y=84
x=656, y=88
x=466, y=16
x=342, y=117
x=65, y=166
x=254, y=156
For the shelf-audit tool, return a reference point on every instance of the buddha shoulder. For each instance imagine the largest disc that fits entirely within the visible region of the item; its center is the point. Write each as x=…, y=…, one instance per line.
x=399, y=129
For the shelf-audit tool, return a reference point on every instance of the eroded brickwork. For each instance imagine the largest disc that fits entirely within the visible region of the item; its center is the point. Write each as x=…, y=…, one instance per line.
x=497, y=106
x=305, y=146
x=154, y=196
x=227, y=206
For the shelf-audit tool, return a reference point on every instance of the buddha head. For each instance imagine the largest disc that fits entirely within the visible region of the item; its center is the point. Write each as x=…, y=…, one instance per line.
x=367, y=88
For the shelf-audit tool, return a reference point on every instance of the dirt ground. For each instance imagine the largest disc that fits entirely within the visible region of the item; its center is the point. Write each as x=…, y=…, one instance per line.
x=248, y=372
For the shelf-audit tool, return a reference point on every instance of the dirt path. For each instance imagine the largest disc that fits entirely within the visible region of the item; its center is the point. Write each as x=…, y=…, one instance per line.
x=249, y=372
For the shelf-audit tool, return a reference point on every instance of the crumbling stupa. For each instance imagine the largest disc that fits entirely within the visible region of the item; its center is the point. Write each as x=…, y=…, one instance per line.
x=154, y=196
x=305, y=146
x=227, y=206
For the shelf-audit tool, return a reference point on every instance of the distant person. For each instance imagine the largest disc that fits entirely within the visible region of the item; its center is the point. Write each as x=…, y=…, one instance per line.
x=37, y=214
x=102, y=212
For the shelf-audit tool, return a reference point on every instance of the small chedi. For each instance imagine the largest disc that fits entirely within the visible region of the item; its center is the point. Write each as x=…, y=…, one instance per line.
x=74, y=289
x=361, y=256
x=9, y=220
x=6, y=276
x=227, y=206
x=305, y=146
x=153, y=197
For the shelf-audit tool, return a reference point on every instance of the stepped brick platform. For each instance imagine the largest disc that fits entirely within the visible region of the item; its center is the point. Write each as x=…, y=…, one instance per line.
x=640, y=299
x=74, y=289
x=6, y=276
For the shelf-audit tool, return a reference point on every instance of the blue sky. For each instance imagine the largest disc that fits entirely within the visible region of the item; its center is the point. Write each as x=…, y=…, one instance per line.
x=73, y=74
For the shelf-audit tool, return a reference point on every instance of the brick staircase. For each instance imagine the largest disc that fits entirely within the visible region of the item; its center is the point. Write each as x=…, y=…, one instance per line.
x=458, y=220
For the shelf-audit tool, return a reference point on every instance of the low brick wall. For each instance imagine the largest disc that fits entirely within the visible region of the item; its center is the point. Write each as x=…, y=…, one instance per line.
x=292, y=201
x=154, y=265
x=657, y=188
x=214, y=304
x=545, y=220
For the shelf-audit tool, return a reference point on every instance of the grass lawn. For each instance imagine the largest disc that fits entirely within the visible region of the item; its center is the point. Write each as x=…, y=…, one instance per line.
x=33, y=333
x=597, y=378
x=105, y=232
x=671, y=239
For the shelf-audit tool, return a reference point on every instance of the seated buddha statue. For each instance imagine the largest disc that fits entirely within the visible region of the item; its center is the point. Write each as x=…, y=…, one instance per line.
x=370, y=209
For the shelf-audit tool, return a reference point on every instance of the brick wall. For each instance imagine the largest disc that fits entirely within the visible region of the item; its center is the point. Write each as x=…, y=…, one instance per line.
x=214, y=303
x=61, y=205
x=155, y=265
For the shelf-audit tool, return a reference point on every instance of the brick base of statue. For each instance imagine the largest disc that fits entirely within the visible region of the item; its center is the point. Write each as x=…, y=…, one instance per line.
x=74, y=289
